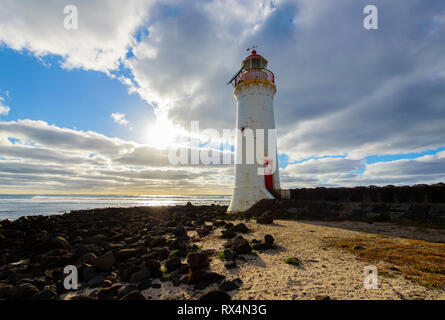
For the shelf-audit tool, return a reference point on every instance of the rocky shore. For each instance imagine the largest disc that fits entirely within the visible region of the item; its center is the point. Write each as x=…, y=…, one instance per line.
x=119, y=252
x=200, y=252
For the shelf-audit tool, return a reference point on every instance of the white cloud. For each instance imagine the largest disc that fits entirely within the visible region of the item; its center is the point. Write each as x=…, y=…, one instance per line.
x=100, y=43
x=341, y=89
x=119, y=118
x=49, y=158
x=4, y=109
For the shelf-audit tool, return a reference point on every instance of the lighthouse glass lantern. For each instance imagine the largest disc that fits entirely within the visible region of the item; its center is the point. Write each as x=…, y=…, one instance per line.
x=254, y=91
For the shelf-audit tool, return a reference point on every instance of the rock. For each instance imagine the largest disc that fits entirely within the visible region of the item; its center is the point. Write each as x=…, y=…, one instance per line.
x=96, y=281
x=133, y=295
x=207, y=278
x=321, y=297
x=173, y=263
x=25, y=291
x=87, y=258
x=228, y=234
x=261, y=246
x=215, y=295
x=6, y=291
x=108, y=293
x=60, y=243
x=183, y=269
x=140, y=275
x=197, y=261
x=105, y=262
x=240, y=227
x=230, y=264
x=269, y=239
x=228, y=226
x=107, y=283
x=125, y=254
x=122, y=291
x=202, y=232
x=177, y=244
x=154, y=266
x=179, y=231
x=45, y=294
x=156, y=285
x=229, y=254
x=88, y=273
x=218, y=224
x=231, y=285
x=241, y=245
x=157, y=242
x=144, y=284
x=158, y=253
x=265, y=218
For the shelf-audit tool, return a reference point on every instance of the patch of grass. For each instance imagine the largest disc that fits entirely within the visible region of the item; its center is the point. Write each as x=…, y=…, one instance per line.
x=221, y=254
x=174, y=251
x=385, y=274
x=421, y=261
x=167, y=276
x=170, y=239
x=253, y=253
x=292, y=261
x=163, y=270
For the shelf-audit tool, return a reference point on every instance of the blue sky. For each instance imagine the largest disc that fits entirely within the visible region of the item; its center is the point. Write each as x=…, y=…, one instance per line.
x=98, y=107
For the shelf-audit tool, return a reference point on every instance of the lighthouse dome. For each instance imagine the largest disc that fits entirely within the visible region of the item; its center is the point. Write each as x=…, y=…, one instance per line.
x=254, y=61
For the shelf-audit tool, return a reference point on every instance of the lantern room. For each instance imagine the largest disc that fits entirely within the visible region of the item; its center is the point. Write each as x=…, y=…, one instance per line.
x=254, y=61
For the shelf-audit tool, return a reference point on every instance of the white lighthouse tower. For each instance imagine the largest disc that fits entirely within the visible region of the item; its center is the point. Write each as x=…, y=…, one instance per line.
x=254, y=90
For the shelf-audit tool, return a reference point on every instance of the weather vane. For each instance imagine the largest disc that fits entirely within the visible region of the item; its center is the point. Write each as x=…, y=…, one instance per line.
x=253, y=48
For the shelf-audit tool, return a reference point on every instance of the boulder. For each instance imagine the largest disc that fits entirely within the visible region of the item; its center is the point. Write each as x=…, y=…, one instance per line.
x=180, y=231
x=265, y=218
x=87, y=258
x=173, y=263
x=45, y=294
x=25, y=291
x=269, y=239
x=241, y=245
x=140, y=275
x=197, y=261
x=215, y=295
x=133, y=295
x=231, y=285
x=105, y=262
x=240, y=227
x=177, y=244
x=228, y=234
x=108, y=293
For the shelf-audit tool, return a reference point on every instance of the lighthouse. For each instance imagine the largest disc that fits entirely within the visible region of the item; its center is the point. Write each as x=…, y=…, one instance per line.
x=254, y=91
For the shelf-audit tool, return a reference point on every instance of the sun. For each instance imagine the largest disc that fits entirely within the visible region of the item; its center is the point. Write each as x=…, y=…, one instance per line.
x=162, y=133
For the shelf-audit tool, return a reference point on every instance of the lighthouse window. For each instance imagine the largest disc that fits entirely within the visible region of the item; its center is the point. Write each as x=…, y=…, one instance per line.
x=256, y=63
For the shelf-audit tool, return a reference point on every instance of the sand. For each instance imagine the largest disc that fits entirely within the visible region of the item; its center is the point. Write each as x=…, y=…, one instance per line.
x=325, y=271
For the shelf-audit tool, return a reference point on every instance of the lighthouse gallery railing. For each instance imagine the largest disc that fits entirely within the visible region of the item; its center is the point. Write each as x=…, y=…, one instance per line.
x=255, y=74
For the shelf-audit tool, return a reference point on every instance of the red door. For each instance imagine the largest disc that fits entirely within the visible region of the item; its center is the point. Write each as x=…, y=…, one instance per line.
x=268, y=176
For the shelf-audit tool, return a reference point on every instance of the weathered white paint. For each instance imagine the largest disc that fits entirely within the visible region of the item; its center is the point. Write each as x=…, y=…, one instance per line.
x=254, y=110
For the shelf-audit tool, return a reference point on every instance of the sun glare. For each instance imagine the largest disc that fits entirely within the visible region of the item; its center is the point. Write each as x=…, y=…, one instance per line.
x=162, y=133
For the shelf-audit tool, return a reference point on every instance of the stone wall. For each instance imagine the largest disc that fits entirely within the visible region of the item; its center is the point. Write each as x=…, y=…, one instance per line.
x=420, y=203
x=389, y=194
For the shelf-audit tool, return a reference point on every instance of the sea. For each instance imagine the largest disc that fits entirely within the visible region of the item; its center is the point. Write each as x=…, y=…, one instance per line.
x=16, y=206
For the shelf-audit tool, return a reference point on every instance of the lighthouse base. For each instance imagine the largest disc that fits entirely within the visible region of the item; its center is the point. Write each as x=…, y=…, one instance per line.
x=243, y=198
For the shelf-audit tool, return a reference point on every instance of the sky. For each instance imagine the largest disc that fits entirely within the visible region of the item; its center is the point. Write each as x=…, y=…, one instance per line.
x=93, y=110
